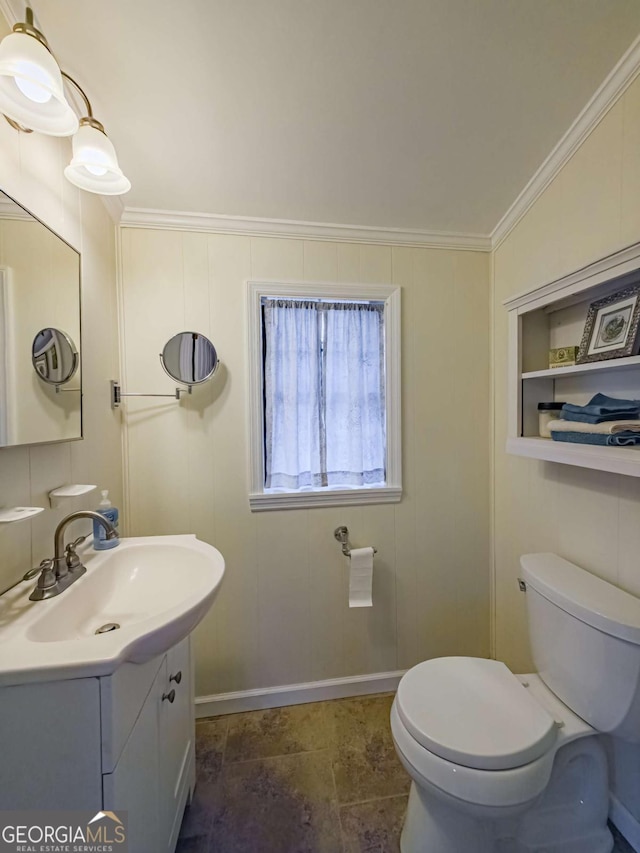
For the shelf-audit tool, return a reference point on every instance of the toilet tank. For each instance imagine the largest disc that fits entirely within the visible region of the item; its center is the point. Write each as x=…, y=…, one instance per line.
x=585, y=638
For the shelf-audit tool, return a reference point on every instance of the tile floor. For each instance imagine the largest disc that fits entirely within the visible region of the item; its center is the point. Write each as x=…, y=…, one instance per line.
x=317, y=778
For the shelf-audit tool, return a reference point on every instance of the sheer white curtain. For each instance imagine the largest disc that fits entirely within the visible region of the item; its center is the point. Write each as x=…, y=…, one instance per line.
x=292, y=394
x=196, y=357
x=324, y=394
x=355, y=395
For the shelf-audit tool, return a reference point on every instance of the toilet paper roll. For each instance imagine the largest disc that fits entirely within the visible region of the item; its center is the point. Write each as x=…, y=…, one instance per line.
x=361, y=577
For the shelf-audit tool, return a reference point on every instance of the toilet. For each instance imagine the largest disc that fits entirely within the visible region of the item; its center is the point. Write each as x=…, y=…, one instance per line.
x=504, y=763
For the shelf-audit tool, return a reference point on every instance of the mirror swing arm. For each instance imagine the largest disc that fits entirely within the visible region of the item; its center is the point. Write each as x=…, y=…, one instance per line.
x=117, y=393
x=174, y=370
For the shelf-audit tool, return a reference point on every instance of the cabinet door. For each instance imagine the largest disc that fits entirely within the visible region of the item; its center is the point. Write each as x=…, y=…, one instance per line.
x=122, y=695
x=50, y=745
x=177, y=754
x=134, y=785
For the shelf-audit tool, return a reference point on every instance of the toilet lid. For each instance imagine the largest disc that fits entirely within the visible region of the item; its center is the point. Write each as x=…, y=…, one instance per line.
x=474, y=712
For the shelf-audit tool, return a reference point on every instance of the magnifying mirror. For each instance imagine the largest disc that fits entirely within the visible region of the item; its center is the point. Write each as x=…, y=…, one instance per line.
x=189, y=358
x=54, y=356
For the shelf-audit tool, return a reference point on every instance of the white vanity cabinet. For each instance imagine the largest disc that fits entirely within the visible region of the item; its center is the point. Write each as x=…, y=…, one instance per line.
x=122, y=742
x=151, y=769
x=554, y=315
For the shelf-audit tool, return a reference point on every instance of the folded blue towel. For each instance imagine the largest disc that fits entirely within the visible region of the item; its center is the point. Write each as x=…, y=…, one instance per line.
x=581, y=437
x=601, y=404
x=603, y=407
x=624, y=439
x=621, y=439
x=586, y=418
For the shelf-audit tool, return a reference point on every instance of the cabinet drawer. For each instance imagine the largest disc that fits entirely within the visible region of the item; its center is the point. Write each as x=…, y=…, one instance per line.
x=122, y=696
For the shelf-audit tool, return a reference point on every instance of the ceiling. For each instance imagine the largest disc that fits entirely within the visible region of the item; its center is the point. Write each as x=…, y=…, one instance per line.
x=416, y=114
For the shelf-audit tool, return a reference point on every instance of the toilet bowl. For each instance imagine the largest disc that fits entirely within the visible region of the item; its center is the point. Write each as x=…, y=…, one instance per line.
x=504, y=763
x=514, y=744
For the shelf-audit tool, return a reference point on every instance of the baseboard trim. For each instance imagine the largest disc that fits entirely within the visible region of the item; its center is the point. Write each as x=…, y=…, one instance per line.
x=625, y=822
x=297, y=694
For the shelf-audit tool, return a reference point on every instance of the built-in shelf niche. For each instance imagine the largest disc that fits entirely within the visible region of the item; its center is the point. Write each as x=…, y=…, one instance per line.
x=551, y=316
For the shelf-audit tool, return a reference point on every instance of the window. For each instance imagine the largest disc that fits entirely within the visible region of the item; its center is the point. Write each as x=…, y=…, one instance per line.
x=325, y=402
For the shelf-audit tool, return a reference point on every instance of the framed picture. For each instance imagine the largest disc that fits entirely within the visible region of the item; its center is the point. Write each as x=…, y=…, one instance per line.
x=611, y=329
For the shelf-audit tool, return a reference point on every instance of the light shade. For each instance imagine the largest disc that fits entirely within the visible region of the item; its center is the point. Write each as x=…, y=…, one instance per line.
x=31, y=91
x=94, y=166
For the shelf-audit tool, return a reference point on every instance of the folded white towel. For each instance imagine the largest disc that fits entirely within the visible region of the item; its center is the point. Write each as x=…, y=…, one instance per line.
x=606, y=428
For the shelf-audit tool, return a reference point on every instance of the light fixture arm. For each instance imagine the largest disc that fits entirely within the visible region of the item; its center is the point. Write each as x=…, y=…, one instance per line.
x=81, y=90
x=88, y=119
x=29, y=28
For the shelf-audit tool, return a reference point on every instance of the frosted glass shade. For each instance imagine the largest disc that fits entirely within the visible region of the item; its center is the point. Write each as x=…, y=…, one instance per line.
x=94, y=166
x=31, y=91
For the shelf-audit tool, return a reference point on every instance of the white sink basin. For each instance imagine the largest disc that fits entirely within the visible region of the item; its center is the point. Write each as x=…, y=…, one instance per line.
x=155, y=588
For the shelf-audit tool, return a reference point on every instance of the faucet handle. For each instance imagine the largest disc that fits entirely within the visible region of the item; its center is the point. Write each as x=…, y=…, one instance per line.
x=72, y=559
x=33, y=573
x=47, y=577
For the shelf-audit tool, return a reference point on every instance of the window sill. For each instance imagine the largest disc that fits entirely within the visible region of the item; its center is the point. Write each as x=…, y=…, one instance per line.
x=337, y=497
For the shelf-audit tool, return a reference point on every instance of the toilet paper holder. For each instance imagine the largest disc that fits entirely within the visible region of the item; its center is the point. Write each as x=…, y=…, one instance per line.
x=342, y=535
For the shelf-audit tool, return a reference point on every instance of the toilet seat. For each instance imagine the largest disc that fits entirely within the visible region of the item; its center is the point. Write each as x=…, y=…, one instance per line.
x=475, y=713
x=501, y=789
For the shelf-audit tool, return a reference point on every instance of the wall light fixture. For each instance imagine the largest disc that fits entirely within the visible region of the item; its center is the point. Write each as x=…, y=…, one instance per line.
x=31, y=88
x=32, y=98
x=94, y=165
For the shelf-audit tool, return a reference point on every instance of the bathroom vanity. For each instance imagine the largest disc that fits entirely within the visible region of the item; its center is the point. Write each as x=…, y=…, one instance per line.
x=122, y=742
x=105, y=721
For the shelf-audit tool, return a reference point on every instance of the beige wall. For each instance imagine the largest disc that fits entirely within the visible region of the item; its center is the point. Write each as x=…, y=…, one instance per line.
x=282, y=614
x=31, y=172
x=591, y=209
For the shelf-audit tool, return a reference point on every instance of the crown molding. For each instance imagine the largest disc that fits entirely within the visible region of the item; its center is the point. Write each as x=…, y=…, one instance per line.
x=614, y=85
x=168, y=220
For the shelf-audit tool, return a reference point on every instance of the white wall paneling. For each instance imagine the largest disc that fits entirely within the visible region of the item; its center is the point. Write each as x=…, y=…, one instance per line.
x=282, y=616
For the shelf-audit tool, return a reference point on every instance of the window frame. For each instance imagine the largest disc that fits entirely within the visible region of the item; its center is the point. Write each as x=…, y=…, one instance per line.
x=392, y=491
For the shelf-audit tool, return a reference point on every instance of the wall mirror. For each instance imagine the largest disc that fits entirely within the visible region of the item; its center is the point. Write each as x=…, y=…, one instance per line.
x=39, y=331
x=189, y=358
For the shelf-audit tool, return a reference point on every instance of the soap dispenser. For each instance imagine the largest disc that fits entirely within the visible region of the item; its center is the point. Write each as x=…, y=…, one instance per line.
x=100, y=541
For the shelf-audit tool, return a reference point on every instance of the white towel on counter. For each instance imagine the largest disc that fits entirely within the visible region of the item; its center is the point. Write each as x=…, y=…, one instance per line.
x=606, y=428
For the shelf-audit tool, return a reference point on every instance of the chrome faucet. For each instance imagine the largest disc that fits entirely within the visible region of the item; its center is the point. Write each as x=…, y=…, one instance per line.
x=66, y=567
